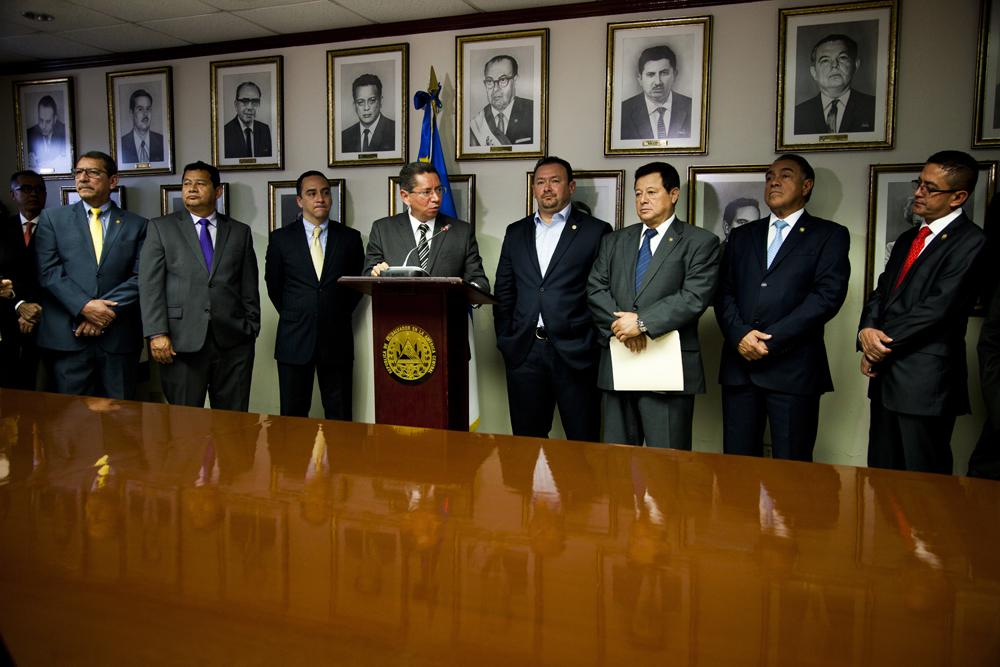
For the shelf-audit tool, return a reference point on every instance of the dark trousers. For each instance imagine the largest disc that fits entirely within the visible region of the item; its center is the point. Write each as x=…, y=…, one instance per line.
x=94, y=371
x=985, y=459
x=794, y=422
x=544, y=381
x=221, y=373
x=18, y=362
x=909, y=442
x=659, y=420
x=295, y=386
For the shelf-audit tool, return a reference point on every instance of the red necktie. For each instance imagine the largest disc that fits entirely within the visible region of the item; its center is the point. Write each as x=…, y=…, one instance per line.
x=911, y=257
x=27, y=232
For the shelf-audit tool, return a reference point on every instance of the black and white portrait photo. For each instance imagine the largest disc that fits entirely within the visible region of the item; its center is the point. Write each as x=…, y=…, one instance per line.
x=247, y=113
x=172, y=199
x=44, y=126
x=140, y=120
x=987, y=121
x=720, y=199
x=368, y=105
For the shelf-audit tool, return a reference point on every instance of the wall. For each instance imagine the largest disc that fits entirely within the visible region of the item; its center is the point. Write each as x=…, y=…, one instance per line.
x=741, y=131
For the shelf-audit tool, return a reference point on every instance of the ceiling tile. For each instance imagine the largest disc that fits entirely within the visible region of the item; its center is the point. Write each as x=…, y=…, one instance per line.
x=125, y=37
x=243, y=5
x=145, y=10
x=305, y=17
x=45, y=46
x=208, y=28
x=390, y=11
x=10, y=29
x=67, y=16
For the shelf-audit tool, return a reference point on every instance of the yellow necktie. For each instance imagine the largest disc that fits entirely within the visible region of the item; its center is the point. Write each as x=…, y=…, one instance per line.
x=97, y=232
x=316, y=250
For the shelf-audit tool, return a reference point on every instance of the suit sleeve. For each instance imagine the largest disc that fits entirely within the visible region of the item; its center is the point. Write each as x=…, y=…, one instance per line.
x=602, y=303
x=474, y=272
x=249, y=281
x=989, y=360
x=374, y=253
x=727, y=313
x=687, y=304
x=355, y=262
x=505, y=289
x=274, y=271
x=52, y=275
x=153, y=284
x=126, y=292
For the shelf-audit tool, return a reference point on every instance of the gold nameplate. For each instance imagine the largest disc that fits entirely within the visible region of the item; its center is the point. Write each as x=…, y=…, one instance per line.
x=248, y=160
x=654, y=143
x=828, y=138
x=408, y=354
x=142, y=165
x=367, y=156
x=501, y=149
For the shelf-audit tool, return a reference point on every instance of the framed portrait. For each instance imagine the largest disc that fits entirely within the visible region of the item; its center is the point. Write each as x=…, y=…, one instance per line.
x=503, y=91
x=837, y=77
x=656, y=99
x=598, y=193
x=283, y=210
x=986, y=131
x=171, y=199
x=722, y=198
x=44, y=126
x=463, y=192
x=366, y=105
x=890, y=199
x=68, y=195
x=140, y=121
x=247, y=117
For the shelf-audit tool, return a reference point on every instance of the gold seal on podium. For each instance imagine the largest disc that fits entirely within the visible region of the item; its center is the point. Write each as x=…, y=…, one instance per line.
x=408, y=354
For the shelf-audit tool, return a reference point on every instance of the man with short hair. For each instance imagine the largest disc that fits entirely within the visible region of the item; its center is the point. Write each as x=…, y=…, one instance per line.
x=912, y=328
x=19, y=308
x=374, y=131
x=244, y=135
x=658, y=112
x=420, y=234
x=199, y=298
x=142, y=145
x=315, y=336
x=506, y=119
x=543, y=326
x=783, y=277
x=88, y=256
x=737, y=213
x=838, y=107
x=650, y=279
x=47, y=137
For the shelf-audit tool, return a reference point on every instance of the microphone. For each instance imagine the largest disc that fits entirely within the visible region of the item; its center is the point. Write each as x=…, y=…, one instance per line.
x=404, y=271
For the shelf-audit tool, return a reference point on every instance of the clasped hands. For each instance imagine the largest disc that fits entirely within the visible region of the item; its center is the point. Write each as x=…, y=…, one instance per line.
x=753, y=346
x=873, y=347
x=6, y=288
x=98, y=316
x=161, y=348
x=626, y=329
x=29, y=314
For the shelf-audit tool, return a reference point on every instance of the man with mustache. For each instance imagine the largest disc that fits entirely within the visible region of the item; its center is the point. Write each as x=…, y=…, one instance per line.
x=658, y=112
x=142, y=145
x=507, y=119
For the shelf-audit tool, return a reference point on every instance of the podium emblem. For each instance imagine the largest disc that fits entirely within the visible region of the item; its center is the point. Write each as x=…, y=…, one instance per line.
x=408, y=354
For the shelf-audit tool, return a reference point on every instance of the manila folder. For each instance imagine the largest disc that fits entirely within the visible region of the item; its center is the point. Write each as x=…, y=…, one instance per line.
x=656, y=368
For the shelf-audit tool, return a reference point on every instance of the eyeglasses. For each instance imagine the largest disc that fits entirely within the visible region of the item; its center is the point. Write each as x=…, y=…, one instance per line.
x=89, y=171
x=426, y=194
x=930, y=189
x=28, y=189
x=249, y=101
x=503, y=82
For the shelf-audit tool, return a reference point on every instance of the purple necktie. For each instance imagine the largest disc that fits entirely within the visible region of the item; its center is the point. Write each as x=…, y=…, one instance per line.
x=206, y=243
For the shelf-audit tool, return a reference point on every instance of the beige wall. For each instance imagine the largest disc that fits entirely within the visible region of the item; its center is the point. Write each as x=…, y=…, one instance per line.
x=934, y=111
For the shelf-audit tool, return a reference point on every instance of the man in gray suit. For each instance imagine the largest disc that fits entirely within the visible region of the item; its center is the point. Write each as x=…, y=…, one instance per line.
x=199, y=298
x=442, y=245
x=650, y=279
x=88, y=256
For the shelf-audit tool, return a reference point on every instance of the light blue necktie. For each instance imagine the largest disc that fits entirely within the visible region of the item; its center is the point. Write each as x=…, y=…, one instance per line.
x=772, y=250
x=645, y=254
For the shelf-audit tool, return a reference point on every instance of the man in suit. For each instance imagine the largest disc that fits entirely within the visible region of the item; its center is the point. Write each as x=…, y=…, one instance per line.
x=444, y=253
x=543, y=326
x=507, y=119
x=88, y=255
x=47, y=137
x=301, y=268
x=199, y=298
x=658, y=112
x=912, y=329
x=373, y=131
x=782, y=279
x=244, y=135
x=650, y=279
x=19, y=309
x=141, y=145
x=838, y=107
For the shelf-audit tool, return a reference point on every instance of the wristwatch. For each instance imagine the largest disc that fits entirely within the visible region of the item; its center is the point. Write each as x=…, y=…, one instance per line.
x=642, y=326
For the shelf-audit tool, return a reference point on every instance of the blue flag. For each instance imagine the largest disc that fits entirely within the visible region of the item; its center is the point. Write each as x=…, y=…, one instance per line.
x=430, y=141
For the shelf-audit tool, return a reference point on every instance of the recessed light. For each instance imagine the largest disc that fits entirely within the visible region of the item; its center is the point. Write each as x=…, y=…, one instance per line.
x=39, y=16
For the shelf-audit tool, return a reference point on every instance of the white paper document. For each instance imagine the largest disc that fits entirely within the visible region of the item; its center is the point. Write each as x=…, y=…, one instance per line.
x=657, y=368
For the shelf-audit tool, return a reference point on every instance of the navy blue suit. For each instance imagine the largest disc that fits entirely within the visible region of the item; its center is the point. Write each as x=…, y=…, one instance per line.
x=18, y=352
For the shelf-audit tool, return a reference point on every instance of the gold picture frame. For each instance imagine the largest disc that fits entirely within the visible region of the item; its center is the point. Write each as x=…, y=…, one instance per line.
x=136, y=97
x=281, y=205
x=717, y=193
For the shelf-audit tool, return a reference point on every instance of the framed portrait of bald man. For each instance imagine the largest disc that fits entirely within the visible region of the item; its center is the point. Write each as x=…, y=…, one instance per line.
x=140, y=121
x=503, y=90
x=722, y=198
x=837, y=77
x=44, y=127
x=247, y=114
x=656, y=99
x=986, y=131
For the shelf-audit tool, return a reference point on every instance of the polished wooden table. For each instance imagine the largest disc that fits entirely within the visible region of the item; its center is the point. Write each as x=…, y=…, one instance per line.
x=137, y=533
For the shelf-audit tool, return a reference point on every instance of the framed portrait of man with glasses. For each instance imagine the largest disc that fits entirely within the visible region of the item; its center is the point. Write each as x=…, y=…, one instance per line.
x=247, y=127
x=503, y=95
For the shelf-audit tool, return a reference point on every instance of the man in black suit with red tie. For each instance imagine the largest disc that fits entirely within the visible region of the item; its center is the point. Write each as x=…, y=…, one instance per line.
x=912, y=329
x=544, y=328
x=782, y=279
x=301, y=268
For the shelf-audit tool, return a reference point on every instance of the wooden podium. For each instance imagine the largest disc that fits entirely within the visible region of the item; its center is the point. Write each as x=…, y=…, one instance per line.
x=421, y=348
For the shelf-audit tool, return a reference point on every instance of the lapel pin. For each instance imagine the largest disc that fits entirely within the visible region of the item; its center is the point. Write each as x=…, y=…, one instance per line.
x=670, y=239
x=118, y=222
x=802, y=229
x=944, y=236
x=573, y=227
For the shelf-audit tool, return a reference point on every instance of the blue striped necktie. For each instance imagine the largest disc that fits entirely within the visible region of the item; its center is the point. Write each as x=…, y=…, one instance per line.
x=645, y=254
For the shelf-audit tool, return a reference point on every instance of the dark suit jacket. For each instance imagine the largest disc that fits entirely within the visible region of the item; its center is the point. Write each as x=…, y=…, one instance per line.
x=635, y=118
x=69, y=277
x=314, y=315
x=676, y=290
x=793, y=300
x=382, y=139
x=179, y=296
x=17, y=263
x=236, y=143
x=453, y=254
x=859, y=115
x=519, y=125
x=989, y=361
x=926, y=374
x=560, y=295
x=57, y=150
x=130, y=152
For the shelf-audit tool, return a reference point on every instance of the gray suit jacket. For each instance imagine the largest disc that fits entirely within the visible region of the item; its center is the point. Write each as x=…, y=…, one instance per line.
x=453, y=254
x=179, y=296
x=676, y=290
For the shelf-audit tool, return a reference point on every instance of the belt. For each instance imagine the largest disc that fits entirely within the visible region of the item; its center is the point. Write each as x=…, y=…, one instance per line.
x=541, y=334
